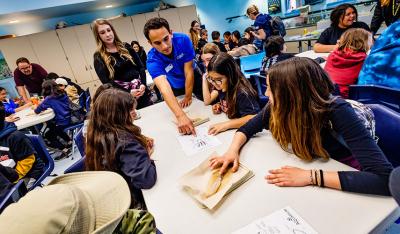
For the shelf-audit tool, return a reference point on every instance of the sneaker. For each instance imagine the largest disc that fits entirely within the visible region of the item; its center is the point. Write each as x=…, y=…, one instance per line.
x=57, y=156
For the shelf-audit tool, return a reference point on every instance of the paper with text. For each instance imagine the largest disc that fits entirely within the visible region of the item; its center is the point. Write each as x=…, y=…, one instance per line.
x=283, y=221
x=195, y=144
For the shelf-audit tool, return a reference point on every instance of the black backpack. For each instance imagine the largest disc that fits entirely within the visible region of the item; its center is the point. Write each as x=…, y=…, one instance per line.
x=278, y=28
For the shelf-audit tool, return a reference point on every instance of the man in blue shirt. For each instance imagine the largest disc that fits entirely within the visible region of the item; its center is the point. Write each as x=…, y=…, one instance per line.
x=261, y=25
x=170, y=64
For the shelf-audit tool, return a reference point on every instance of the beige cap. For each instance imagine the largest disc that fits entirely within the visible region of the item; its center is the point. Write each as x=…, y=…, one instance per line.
x=61, y=81
x=83, y=202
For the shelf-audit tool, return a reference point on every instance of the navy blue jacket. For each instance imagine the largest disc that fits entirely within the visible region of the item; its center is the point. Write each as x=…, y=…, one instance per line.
x=60, y=106
x=373, y=179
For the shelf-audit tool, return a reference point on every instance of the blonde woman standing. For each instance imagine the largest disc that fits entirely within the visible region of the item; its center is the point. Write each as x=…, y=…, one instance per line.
x=195, y=34
x=117, y=63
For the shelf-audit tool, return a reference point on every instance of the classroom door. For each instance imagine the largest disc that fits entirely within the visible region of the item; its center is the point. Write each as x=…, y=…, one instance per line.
x=70, y=44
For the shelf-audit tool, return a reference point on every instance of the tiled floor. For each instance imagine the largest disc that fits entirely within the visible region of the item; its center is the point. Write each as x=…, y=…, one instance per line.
x=60, y=166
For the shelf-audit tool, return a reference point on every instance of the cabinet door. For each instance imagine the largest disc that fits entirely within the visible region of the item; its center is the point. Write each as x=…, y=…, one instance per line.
x=50, y=53
x=93, y=85
x=69, y=42
x=88, y=45
x=172, y=16
x=150, y=15
x=186, y=15
x=138, y=23
x=124, y=28
x=14, y=48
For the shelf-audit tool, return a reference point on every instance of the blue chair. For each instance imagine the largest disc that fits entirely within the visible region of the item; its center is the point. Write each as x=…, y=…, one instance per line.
x=260, y=85
x=77, y=166
x=387, y=128
x=251, y=64
x=82, y=99
x=80, y=142
x=18, y=190
x=87, y=104
x=41, y=150
x=375, y=94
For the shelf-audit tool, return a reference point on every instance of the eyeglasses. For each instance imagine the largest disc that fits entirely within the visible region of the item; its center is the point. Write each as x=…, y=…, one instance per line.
x=217, y=82
x=25, y=68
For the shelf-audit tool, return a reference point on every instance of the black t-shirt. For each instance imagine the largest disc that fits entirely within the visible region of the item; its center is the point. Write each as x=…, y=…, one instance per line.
x=246, y=104
x=331, y=35
x=21, y=147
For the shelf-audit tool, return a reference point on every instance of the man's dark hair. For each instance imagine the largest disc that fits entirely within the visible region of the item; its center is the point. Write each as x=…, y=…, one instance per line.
x=155, y=23
x=227, y=34
x=215, y=35
x=203, y=32
x=22, y=60
x=338, y=13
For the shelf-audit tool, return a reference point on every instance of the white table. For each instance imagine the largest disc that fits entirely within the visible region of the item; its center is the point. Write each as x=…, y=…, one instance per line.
x=27, y=120
x=312, y=55
x=326, y=210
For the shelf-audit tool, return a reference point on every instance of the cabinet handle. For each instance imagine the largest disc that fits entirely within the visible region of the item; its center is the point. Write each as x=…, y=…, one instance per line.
x=86, y=68
x=90, y=67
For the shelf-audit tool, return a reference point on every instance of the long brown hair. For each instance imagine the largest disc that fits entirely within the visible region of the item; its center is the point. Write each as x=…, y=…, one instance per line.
x=102, y=49
x=110, y=120
x=301, y=100
x=224, y=64
x=194, y=35
x=355, y=39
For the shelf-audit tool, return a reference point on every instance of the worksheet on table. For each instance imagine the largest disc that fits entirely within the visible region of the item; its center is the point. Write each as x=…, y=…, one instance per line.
x=195, y=144
x=283, y=221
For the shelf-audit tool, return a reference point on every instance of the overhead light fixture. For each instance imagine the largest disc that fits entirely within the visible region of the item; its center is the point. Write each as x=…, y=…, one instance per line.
x=13, y=21
x=109, y=6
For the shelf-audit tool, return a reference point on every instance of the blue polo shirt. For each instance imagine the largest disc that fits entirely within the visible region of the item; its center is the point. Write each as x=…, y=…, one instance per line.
x=159, y=64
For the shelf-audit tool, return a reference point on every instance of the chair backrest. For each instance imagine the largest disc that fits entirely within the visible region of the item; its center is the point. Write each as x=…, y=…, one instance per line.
x=375, y=94
x=77, y=166
x=387, y=128
x=87, y=104
x=42, y=153
x=17, y=191
x=82, y=99
x=259, y=84
x=251, y=62
x=80, y=142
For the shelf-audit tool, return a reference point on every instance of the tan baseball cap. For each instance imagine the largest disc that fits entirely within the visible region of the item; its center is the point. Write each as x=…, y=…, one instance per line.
x=83, y=202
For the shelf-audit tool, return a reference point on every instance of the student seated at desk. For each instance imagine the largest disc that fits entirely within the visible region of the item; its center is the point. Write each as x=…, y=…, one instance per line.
x=20, y=149
x=305, y=119
x=275, y=49
x=345, y=62
x=10, y=106
x=114, y=143
x=58, y=101
x=343, y=17
x=236, y=96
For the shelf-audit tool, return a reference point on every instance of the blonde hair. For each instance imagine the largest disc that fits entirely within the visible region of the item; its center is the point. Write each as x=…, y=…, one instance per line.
x=385, y=3
x=211, y=48
x=102, y=50
x=252, y=10
x=194, y=37
x=355, y=39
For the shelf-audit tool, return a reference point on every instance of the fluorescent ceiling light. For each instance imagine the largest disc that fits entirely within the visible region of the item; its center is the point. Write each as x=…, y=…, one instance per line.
x=109, y=6
x=13, y=21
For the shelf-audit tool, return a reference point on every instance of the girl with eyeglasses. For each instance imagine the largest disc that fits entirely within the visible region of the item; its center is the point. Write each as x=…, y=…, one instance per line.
x=236, y=96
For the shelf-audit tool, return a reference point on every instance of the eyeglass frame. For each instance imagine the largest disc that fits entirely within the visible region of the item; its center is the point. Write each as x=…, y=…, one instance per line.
x=217, y=82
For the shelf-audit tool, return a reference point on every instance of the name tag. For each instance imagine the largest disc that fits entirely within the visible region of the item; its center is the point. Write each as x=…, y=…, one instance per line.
x=179, y=56
x=169, y=68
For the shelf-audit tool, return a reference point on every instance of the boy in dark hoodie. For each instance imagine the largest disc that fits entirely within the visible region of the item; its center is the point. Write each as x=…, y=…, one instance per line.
x=17, y=146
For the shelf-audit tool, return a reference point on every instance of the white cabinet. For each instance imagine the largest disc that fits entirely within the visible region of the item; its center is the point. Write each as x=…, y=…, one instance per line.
x=124, y=28
x=88, y=45
x=14, y=48
x=50, y=53
x=138, y=23
x=172, y=16
x=186, y=15
x=74, y=54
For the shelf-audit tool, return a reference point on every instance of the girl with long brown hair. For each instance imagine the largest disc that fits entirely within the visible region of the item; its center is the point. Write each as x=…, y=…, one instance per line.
x=114, y=143
x=305, y=119
x=117, y=63
x=345, y=62
x=194, y=33
x=236, y=96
